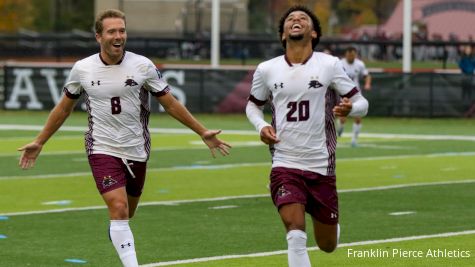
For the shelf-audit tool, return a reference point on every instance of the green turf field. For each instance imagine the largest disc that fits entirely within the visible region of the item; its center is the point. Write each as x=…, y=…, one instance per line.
x=408, y=188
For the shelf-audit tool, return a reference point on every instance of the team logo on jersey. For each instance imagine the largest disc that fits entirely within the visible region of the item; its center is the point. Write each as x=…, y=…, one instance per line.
x=130, y=82
x=107, y=181
x=314, y=84
x=277, y=85
x=282, y=192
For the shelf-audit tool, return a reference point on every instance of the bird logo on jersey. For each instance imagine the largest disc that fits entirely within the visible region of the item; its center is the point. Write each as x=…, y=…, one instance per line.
x=107, y=181
x=314, y=83
x=130, y=82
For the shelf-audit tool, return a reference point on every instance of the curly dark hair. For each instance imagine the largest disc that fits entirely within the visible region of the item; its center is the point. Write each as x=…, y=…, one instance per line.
x=313, y=17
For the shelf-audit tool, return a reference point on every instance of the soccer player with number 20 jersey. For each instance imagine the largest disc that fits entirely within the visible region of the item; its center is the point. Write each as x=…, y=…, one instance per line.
x=116, y=85
x=302, y=87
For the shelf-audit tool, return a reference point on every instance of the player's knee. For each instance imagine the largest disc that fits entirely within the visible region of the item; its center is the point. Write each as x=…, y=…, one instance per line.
x=327, y=246
x=119, y=210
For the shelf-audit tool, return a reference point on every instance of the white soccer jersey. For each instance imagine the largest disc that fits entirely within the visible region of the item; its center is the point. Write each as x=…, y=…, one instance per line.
x=355, y=71
x=116, y=97
x=302, y=98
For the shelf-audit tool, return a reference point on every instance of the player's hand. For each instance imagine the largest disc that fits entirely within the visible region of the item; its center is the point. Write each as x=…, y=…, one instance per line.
x=268, y=135
x=29, y=154
x=367, y=87
x=210, y=139
x=343, y=108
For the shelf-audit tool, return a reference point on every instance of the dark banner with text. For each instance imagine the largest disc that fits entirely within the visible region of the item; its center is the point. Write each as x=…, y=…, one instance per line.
x=222, y=91
x=37, y=87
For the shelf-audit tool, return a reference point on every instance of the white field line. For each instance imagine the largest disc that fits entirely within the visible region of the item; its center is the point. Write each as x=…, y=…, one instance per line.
x=280, y=252
x=83, y=152
x=248, y=132
x=29, y=138
x=418, y=136
x=401, y=213
x=239, y=165
x=199, y=200
x=19, y=127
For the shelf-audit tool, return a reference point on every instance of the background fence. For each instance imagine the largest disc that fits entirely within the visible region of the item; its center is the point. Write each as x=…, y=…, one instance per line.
x=35, y=86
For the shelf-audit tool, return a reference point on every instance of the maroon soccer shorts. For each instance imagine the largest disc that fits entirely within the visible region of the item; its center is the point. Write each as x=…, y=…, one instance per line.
x=111, y=173
x=315, y=191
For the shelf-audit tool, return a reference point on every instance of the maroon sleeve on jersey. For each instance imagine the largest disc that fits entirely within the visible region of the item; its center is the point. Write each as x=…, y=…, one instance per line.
x=353, y=92
x=256, y=101
x=69, y=95
x=161, y=93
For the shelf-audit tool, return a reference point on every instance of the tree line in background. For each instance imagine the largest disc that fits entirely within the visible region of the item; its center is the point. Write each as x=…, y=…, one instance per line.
x=336, y=16
x=46, y=15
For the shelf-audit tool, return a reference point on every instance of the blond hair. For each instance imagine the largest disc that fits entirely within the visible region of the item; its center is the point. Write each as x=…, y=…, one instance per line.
x=110, y=13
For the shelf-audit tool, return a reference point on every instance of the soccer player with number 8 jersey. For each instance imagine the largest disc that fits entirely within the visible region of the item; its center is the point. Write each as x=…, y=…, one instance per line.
x=116, y=85
x=302, y=87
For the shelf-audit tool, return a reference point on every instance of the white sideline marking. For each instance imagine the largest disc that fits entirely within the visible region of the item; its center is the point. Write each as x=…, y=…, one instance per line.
x=280, y=252
x=28, y=138
x=390, y=147
x=236, y=165
x=418, y=136
x=83, y=152
x=399, y=213
x=58, y=202
x=19, y=127
x=185, y=201
x=223, y=207
x=449, y=169
x=248, y=132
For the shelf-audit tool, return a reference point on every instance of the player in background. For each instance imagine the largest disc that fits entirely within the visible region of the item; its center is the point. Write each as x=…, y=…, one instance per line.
x=302, y=87
x=356, y=69
x=116, y=85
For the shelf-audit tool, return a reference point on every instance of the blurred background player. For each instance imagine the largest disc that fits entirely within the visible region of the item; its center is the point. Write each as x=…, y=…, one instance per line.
x=302, y=87
x=356, y=69
x=116, y=84
x=467, y=67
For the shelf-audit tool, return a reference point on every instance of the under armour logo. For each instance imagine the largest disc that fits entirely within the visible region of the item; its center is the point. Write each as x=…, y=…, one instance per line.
x=94, y=83
x=126, y=245
x=276, y=85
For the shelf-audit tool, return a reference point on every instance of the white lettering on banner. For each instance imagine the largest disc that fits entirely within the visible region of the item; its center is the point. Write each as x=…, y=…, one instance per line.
x=179, y=77
x=24, y=87
x=23, y=77
x=50, y=74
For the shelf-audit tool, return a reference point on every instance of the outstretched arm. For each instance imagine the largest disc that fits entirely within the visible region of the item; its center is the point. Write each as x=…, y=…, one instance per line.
x=55, y=119
x=179, y=112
